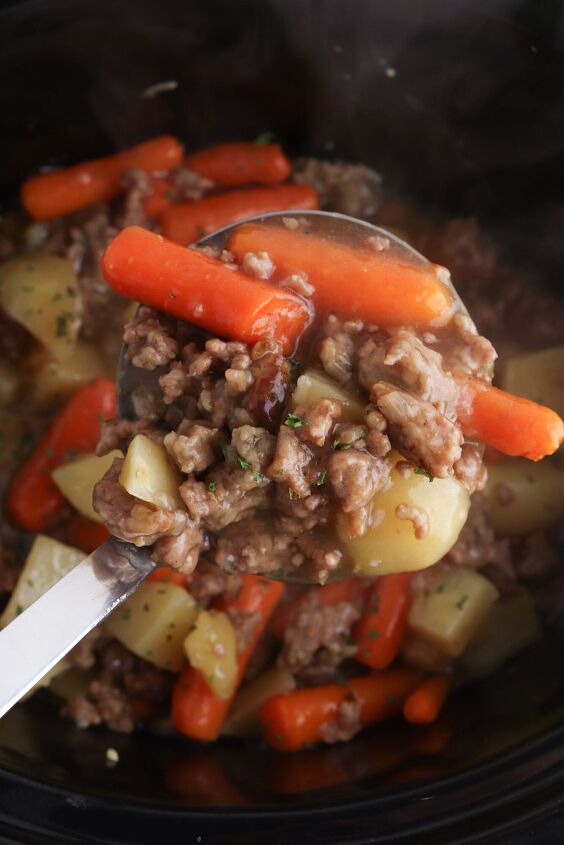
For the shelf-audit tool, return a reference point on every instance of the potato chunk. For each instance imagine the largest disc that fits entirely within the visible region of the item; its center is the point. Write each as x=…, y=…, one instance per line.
x=42, y=294
x=154, y=621
x=313, y=386
x=524, y=496
x=243, y=716
x=76, y=480
x=47, y=562
x=391, y=545
x=54, y=381
x=510, y=626
x=149, y=474
x=212, y=649
x=450, y=610
x=538, y=376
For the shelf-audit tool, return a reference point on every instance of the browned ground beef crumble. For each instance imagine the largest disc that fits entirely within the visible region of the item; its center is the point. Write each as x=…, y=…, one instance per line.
x=258, y=494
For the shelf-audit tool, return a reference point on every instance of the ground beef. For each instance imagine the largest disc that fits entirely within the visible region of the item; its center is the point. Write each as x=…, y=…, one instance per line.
x=317, y=638
x=355, y=477
x=352, y=189
x=193, y=450
x=181, y=551
x=478, y=546
x=258, y=264
x=254, y=446
x=291, y=460
x=336, y=355
x=418, y=517
x=252, y=545
x=129, y=518
x=118, y=433
x=470, y=469
x=84, y=653
x=467, y=351
x=317, y=420
x=189, y=185
x=346, y=723
x=226, y=496
x=209, y=582
x=138, y=186
x=148, y=338
x=418, y=430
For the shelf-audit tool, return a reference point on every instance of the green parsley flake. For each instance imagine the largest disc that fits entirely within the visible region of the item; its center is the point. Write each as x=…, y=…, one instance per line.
x=243, y=463
x=264, y=138
x=321, y=478
x=419, y=471
x=257, y=475
x=462, y=601
x=340, y=446
x=294, y=421
x=212, y=486
x=373, y=635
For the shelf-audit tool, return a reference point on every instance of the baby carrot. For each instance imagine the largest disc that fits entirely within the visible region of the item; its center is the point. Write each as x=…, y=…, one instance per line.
x=380, y=632
x=61, y=192
x=511, y=424
x=168, y=575
x=295, y=719
x=241, y=163
x=185, y=282
x=426, y=701
x=196, y=711
x=85, y=534
x=186, y=222
x=33, y=500
x=368, y=286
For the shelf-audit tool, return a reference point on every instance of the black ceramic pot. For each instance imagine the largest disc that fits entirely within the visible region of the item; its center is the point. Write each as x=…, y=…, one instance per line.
x=460, y=103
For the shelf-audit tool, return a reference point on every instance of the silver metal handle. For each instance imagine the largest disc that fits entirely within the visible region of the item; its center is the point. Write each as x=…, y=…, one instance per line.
x=40, y=636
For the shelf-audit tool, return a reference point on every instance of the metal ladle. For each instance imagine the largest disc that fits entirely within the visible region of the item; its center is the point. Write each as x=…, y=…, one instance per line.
x=35, y=641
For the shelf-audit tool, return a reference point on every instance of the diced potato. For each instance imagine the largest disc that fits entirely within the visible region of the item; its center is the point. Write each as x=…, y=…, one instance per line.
x=243, y=715
x=538, y=376
x=391, y=545
x=47, y=562
x=50, y=677
x=41, y=293
x=76, y=480
x=524, y=496
x=450, y=610
x=154, y=621
x=312, y=386
x=149, y=474
x=53, y=381
x=212, y=649
x=420, y=654
x=71, y=682
x=510, y=626
x=10, y=383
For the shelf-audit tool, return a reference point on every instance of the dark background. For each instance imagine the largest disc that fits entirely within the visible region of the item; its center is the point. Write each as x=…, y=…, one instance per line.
x=472, y=122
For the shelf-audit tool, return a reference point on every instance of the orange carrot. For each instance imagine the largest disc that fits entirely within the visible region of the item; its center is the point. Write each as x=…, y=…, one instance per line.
x=61, y=192
x=85, y=534
x=168, y=575
x=369, y=286
x=33, y=500
x=426, y=701
x=163, y=194
x=196, y=711
x=349, y=590
x=380, y=632
x=295, y=719
x=186, y=222
x=241, y=163
x=185, y=282
x=511, y=424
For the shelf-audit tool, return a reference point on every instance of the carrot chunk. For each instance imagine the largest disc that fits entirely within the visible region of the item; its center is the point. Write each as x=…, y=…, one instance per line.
x=241, y=163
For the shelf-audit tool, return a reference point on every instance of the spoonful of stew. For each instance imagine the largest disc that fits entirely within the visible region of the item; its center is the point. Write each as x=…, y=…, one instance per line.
x=301, y=396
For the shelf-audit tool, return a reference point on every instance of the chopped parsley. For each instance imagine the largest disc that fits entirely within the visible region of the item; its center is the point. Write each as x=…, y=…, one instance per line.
x=264, y=138
x=257, y=475
x=321, y=478
x=19, y=609
x=243, y=463
x=72, y=454
x=172, y=294
x=63, y=323
x=212, y=486
x=170, y=195
x=294, y=421
x=373, y=635
x=146, y=607
x=419, y=471
x=292, y=493
x=462, y=601
x=338, y=445
x=440, y=588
